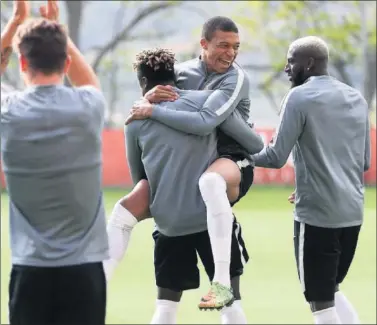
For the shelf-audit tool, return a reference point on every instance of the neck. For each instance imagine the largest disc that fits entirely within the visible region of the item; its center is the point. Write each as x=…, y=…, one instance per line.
x=204, y=60
x=44, y=80
x=320, y=73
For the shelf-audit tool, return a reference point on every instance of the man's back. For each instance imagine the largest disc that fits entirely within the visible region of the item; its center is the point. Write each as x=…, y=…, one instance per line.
x=330, y=153
x=173, y=162
x=51, y=152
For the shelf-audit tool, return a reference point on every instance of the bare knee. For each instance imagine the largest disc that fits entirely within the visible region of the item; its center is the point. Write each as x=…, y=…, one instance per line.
x=230, y=173
x=137, y=201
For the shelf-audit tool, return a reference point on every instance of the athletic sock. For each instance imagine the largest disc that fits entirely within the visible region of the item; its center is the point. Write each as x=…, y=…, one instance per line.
x=165, y=312
x=233, y=314
x=220, y=223
x=345, y=309
x=119, y=228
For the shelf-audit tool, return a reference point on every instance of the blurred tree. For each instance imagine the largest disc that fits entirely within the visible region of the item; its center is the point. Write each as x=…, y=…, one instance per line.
x=348, y=27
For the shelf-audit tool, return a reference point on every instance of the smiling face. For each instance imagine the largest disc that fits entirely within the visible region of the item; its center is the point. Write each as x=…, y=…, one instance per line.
x=220, y=52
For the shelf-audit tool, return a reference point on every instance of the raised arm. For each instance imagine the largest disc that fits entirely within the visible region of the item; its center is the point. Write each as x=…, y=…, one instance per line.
x=80, y=72
x=292, y=120
x=238, y=129
x=133, y=152
x=21, y=11
x=219, y=105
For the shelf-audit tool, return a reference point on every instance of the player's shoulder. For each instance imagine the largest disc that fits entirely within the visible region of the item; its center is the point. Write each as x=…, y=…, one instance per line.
x=87, y=93
x=134, y=127
x=238, y=74
x=293, y=99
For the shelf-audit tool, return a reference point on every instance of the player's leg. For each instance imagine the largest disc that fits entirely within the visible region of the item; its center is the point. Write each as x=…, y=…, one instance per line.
x=220, y=180
x=232, y=314
x=348, y=241
x=239, y=257
x=80, y=292
x=317, y=253
x=30, y=295
x=127, y=212
x=225, y=181
x=176, y=270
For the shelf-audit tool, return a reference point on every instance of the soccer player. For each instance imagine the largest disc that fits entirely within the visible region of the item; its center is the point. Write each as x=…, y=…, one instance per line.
x=229, y=177
x=51, y=154
x=173, y=163
x=326, y=124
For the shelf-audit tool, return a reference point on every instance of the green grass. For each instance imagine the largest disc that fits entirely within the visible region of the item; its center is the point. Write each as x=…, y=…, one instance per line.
x=271, y=291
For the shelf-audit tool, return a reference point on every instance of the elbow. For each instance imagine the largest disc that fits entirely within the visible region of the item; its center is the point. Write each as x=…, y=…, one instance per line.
x=259, y=145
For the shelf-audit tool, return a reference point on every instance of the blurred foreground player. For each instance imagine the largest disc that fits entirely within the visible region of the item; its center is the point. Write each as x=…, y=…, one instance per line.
x=326, y=124
x=51, y=155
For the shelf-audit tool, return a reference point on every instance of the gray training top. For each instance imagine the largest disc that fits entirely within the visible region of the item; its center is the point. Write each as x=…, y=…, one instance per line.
x=173, y=161
x=51, y=155
x=326, y=123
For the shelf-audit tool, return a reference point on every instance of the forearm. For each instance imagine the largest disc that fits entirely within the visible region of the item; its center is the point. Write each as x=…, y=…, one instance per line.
x=198, y=123
x=80, y=72
x=6, y=42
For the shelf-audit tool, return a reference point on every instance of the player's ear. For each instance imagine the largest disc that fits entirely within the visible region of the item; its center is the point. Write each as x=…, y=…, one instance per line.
x=310, y=64
x=143, y=82
x=204, y=44
x=23, y=63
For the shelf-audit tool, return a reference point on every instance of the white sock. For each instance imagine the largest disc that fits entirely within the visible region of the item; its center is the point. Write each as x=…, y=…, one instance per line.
x=233, y=314
x=165, y=312
x=326, y=316
x=345, y=310
x=119, y=228
x=220, y=223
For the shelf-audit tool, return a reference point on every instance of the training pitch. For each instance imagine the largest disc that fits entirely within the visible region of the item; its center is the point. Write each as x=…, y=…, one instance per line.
x=270, y=288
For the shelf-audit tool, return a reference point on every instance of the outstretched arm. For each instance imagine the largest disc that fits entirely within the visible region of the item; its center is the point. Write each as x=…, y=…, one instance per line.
x=20, y=13
x=292, y=120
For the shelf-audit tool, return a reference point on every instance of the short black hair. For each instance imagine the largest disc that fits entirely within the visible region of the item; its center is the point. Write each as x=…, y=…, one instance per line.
x=155, y=65
x=222, y=23
x=44, y=45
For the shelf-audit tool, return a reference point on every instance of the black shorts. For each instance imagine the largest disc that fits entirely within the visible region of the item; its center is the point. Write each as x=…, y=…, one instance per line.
x=323, y=257
x=72, y=295
x=175, y=258
x=247, y=174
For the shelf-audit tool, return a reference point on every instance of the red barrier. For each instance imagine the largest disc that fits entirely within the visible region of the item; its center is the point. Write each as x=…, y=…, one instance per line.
x=116, y=174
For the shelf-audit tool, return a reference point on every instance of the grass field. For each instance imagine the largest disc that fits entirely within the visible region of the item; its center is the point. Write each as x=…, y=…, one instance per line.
x=271, y=291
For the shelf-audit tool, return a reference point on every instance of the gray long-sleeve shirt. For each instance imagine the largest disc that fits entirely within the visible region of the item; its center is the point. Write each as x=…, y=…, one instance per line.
x=326, y=124
x=173, y=162
x=231, y=95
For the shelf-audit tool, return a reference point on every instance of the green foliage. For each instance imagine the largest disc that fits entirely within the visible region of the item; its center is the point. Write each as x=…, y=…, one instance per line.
x=273, y=25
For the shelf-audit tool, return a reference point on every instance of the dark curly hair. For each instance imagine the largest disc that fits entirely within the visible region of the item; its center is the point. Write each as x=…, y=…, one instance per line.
x=156, y=65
